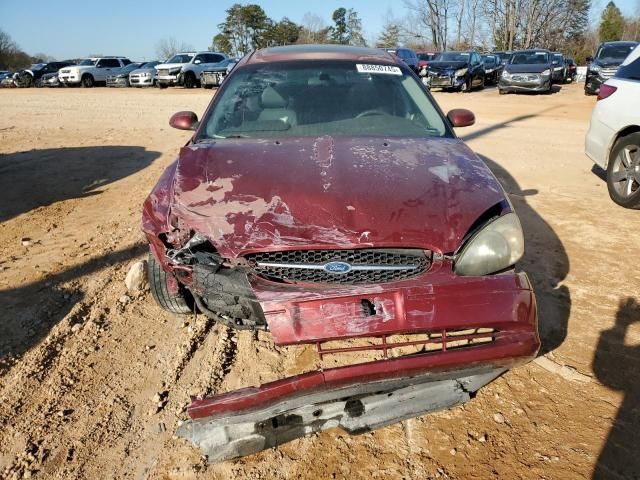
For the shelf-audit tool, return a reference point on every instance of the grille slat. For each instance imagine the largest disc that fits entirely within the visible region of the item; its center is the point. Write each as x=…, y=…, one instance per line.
x=366, y=266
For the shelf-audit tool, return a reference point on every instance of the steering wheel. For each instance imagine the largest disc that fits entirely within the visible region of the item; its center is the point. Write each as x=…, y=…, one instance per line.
x=369, y=113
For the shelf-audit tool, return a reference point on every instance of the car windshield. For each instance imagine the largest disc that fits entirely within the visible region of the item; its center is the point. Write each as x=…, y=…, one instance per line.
x=307, y=98
x=180, y=58
x=131, y=67
x=558, y=57
x=614, y=53
x=452, y=57
x=489, y=59
x=426, y=56
x=149, y=64
x=86, y=62
x=37, y=66
x=529, y=58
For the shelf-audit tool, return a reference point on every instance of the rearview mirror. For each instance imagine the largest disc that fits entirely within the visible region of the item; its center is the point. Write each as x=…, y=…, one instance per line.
x=461, y=117
x=184, y=121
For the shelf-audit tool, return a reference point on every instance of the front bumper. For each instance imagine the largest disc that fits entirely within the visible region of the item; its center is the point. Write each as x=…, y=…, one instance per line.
x=362, y=396
x=69, y=79
x=170, y=80
x=525, y=84
x=212, y=78
x=436, y=80
x=593, y=83
x=141, y=81
x=117, y=82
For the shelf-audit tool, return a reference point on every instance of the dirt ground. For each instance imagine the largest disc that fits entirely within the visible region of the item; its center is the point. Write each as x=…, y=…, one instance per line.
x=81, y=362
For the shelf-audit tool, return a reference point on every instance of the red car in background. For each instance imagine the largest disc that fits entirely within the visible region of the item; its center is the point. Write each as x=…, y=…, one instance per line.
x=325, y=198
x=424, y=58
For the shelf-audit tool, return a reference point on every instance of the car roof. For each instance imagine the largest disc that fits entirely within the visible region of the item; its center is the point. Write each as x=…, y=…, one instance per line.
x=320, y=52
x=622, y=42
x=532, y=50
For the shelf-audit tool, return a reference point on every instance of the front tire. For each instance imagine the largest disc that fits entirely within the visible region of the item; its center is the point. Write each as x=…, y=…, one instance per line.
x=623, y=171
x=87, y=81
x=189, y=80
x=180, y=302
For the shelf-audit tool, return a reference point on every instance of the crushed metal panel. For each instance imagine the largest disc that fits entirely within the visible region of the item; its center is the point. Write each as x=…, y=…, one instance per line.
x=355, y=409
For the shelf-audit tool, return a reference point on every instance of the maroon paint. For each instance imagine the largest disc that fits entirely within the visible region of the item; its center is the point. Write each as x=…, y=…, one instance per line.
x=460, y=117
x=250, y=195
x=184, y=120
x=505, y=352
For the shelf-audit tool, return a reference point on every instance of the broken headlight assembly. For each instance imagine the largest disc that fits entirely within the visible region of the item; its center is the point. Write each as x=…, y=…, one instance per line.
x=498, y=245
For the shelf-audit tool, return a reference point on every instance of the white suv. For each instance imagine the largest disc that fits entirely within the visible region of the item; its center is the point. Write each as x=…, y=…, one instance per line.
x=613, y=139
x=91, y=71
x=185, y=68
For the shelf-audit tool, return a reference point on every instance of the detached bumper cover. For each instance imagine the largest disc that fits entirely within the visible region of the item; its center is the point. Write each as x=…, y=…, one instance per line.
x=364, y=396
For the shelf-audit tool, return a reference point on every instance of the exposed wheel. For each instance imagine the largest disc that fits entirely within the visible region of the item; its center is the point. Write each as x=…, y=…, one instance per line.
x=179, y=302
x=189, y=80
x=623, y=171
x=87, y=81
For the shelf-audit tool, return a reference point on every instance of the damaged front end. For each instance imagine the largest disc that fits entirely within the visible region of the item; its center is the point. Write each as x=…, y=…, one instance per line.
x=404, y=308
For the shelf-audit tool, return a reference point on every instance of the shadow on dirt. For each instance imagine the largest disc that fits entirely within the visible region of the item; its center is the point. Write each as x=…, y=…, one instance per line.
x=29, y=311
x=545, y=261
x=616, y=364
x=35, y=178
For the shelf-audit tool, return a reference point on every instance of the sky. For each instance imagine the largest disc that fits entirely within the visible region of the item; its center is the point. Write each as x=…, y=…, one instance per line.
x=72, y=29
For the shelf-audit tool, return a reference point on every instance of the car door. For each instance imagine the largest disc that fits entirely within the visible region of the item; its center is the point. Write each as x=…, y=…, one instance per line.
x=106, y=67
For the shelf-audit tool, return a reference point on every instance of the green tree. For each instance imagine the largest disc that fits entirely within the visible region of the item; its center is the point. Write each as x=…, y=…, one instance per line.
x=284, y=32
x=339, y=31
x=390, y=36
x=347, y=29
x=222, y=44
x=244, y=29
x=611, y=24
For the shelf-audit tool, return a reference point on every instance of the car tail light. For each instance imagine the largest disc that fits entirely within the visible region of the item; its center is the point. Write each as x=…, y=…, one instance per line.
x=606, y=91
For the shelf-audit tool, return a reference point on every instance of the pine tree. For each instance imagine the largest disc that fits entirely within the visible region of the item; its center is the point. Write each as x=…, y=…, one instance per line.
x=611, y=24
x=390, y=36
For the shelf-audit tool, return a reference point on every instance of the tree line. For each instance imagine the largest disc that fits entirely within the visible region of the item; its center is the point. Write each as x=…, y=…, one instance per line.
x=560, y=25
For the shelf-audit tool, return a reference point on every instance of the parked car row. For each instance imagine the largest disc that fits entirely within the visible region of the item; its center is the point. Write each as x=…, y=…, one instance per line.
x=183, y=69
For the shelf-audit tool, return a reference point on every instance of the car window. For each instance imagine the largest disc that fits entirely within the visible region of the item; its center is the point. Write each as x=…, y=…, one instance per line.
x=305, y=98
x=613, y=53
x=529, y=58
x=126, y=61
x=180, y=58
x=453, y=57
x=630, y=71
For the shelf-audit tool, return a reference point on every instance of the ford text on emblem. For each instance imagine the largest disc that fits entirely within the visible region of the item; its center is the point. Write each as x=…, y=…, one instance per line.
x=337, y=267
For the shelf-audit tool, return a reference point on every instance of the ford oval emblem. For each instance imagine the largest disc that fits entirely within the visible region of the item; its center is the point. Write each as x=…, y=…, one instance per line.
x=337, y=267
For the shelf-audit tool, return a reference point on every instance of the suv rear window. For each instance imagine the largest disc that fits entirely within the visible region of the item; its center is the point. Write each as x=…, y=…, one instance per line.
x=630, y=71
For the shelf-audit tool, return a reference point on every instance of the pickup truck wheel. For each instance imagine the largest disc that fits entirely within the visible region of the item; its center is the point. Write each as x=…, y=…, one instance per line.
x=87, y=81
x=189, y=80
x=623, y=171
x=180, y=302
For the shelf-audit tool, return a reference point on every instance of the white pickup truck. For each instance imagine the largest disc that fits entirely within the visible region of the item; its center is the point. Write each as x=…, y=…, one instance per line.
x=185, y=68
x=90, y=71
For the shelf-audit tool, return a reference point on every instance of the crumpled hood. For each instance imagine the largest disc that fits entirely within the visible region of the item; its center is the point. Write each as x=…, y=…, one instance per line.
x=527, y=68
x=332, y=192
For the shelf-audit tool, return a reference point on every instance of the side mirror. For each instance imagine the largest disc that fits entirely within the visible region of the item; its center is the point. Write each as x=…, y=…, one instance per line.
x=184, y=121
x=461, y=117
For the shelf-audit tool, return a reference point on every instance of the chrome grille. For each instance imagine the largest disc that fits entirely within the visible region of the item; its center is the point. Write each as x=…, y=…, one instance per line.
x=163, y=72
x=608, y=72
x=364, y=266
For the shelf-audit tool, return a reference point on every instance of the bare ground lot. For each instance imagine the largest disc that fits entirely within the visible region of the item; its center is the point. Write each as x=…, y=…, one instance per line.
x=80, y=364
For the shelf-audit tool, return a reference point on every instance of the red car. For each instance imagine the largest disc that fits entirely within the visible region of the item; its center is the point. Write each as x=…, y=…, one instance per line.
x=325, y=198
x=425, y=57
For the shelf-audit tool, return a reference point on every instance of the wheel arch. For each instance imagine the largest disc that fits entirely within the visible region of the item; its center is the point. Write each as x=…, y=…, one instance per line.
x=628, y=130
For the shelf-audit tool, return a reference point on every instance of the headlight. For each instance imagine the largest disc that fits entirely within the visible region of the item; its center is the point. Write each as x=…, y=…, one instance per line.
x=499, y=245
x=505, y=74
x=461, y=72
x=547, y=72
x=173, y=71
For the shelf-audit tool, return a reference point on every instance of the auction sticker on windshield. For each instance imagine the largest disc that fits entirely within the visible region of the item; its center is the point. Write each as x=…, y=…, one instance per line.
x=384, y=69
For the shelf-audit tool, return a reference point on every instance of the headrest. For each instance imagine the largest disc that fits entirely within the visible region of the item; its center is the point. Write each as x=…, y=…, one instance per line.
x=272, y=99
